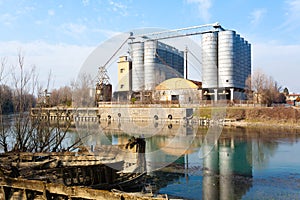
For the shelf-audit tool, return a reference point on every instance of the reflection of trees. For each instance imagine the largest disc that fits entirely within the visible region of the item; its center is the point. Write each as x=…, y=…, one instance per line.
x=264, y=142
x=262, y=151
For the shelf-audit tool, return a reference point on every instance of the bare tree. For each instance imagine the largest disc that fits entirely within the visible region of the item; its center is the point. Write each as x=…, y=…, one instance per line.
x=82, y=96
x=248, y=88
x=258, y=82
x=24, y=133
x=5, y=95
x=22, y=81
x=61, y=96
x=266, y=90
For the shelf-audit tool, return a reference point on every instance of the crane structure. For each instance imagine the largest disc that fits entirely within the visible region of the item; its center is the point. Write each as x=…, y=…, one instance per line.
x=182, y=32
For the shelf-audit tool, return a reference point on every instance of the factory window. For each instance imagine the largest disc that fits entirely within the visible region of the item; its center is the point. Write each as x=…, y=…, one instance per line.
x=174, y=97
x=122, y=70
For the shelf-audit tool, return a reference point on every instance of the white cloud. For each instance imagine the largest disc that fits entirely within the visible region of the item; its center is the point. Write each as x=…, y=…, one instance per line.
x=7, y=19
x=51, y=12
x=257, y=16
x=38, y=22
x=25, y=10
x=63, y=60
x=203, y=7
x=119, y=8
x=74, y=30
x=292, y=15
x=85, y=2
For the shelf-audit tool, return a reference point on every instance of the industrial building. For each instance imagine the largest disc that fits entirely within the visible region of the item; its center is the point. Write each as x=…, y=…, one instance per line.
x=225, y=57
x=151, y=63
x=178, y=90
x=226, y=64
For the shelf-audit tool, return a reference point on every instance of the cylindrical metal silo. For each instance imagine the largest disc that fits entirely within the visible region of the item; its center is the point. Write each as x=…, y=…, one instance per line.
x=138, y=80
x=245, y=60
x=151, y=71
x=171, y=61
x=242, y=79
x=236, y=59
x=248, y=67
x=226, y=62
x=209, y=43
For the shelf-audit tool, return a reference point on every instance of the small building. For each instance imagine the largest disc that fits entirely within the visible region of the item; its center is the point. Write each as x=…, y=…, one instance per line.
x=124, y=86
x=124, y=74
x=178, y=90
x=293, y=99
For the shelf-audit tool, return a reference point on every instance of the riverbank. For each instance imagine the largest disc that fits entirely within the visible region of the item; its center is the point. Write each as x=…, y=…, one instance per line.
x=230, y=115
x=257, y=116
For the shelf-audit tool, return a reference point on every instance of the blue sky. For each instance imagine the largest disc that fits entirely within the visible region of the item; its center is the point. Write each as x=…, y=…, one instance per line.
x=60, y=34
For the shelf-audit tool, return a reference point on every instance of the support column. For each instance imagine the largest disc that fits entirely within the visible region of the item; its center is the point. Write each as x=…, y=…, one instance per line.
x=215, y=94
x=231, y=94
x=2, y=193
x=200, y=95
x=186, y=63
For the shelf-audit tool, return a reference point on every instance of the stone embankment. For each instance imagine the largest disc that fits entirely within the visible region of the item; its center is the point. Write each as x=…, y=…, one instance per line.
x=236, y=116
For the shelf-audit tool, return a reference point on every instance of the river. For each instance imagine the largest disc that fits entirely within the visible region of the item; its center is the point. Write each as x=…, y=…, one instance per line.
x=191, y=162
x=188, y=161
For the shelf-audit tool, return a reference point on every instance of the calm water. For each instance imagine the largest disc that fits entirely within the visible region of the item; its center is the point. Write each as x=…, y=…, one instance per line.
x=191, y=162
x=234, y=163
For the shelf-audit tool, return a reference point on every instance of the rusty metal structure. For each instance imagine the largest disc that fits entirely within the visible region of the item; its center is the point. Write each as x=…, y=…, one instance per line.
x=106, y=167
x=103, y=86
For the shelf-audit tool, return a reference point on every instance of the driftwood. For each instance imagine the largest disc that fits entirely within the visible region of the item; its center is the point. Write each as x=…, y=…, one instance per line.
x=32, y=189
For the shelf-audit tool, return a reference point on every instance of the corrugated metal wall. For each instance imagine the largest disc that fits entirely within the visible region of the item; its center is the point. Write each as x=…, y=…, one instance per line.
x=209, y=60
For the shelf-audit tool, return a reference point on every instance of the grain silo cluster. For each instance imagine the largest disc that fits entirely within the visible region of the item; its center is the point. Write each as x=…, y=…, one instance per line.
x=225, y=64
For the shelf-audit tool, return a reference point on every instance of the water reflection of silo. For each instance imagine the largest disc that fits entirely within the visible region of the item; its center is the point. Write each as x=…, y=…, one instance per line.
x=226, y=171
x=235, y=160
x=223, y=165
x=211, y=167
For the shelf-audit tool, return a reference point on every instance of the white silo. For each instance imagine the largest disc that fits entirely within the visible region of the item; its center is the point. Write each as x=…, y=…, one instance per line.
x=248, y=67
x=245, y=59
x=209, y=44
x=243, y=62
x=137, y=66
x=226, y=58
x=237, y=67
x=151, y=70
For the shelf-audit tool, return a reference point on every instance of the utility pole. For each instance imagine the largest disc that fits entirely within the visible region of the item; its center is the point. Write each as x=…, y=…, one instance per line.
x=186, y=62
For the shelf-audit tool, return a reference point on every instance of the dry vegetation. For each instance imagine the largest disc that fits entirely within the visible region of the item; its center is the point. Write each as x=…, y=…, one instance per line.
x=277, y=114
x=257, y=115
